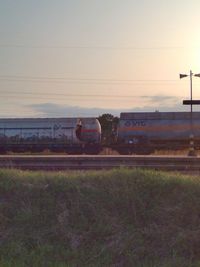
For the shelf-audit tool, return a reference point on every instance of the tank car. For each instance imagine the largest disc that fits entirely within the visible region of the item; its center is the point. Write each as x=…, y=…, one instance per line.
x=72, y=135
x=143, y=132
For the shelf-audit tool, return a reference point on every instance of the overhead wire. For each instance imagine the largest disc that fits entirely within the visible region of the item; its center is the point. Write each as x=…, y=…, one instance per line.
x=100, y=81
x=78, y=80
x=65, y=95
x=48, y=79
x=98, y=47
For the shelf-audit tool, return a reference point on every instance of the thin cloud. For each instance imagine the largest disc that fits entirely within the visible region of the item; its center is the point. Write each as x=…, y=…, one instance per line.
x=161, y=99
x=56, y=110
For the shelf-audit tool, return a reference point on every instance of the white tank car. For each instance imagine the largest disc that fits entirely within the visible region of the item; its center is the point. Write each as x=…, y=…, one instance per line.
x=73, y=135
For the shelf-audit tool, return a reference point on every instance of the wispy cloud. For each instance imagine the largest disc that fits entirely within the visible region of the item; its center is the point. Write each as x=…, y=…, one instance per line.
x=161, y=103
x=160, y=99
x=56, y=110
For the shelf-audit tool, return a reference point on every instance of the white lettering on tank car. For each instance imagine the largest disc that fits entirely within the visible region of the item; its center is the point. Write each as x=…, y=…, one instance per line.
x=132, y=123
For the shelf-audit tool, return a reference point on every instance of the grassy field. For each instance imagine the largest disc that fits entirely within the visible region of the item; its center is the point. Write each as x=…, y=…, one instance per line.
x=117, y=218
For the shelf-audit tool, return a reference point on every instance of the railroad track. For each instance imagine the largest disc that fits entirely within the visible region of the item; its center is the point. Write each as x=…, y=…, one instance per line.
x=61, y=162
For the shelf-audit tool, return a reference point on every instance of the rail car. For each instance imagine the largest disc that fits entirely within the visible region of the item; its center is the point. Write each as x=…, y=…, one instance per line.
x=137, y=133
x=143, y=132
x=70, y=135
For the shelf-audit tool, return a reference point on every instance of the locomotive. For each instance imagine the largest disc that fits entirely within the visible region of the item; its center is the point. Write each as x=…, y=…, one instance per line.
x=144, y=132
x=71, y=135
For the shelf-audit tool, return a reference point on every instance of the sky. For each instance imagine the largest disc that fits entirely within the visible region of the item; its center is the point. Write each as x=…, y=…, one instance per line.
x=89, y=57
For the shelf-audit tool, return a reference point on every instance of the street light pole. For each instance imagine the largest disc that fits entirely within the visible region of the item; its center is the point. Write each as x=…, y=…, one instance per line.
x=190, y=102
x=191, y=150
x=191, y=91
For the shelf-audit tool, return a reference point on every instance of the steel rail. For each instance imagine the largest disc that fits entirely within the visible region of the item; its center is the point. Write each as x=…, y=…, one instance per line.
x=85, y=162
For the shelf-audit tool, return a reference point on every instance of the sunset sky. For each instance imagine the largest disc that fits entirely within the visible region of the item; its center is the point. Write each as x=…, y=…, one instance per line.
x=88, y=57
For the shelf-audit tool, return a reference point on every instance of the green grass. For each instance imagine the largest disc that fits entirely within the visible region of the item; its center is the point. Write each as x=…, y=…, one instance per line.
x=91, y=219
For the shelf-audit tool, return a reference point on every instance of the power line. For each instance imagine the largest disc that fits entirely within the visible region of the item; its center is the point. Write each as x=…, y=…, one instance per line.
x=102, y=47
x=65, y=95
x=61, y=96
x=71, y=79
x=82, y=79
x=78, y=98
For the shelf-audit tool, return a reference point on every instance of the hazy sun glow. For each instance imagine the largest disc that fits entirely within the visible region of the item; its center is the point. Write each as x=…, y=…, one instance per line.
x=97, y=56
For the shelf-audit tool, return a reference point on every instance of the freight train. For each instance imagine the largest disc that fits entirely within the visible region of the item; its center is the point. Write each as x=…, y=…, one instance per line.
x=136, y=133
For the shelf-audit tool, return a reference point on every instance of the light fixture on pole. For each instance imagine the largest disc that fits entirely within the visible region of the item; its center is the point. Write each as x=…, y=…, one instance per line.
x=190, y=102
x=186, y=75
